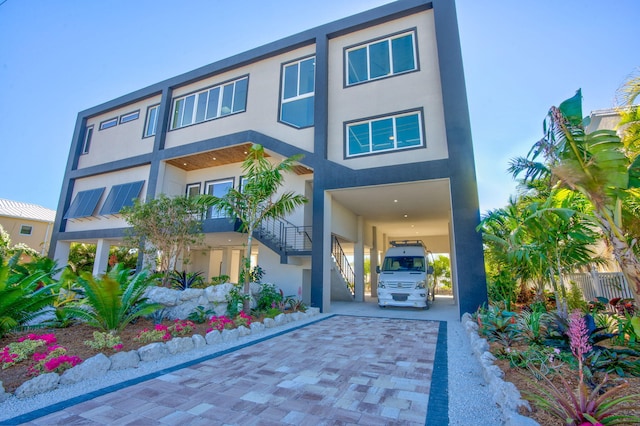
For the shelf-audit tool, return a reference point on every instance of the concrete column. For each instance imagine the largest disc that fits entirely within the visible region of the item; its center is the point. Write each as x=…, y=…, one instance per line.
x=326, y=255
x=358, y=261
x=102, y=257
x=61, y=257
x=225, y=263
x=373, y=258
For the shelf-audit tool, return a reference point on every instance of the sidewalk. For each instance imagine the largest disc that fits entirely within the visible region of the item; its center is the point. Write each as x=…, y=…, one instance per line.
x=340, y=369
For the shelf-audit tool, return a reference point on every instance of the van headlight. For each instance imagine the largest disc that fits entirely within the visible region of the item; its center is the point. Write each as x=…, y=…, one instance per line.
x=380, y=284
x=421, y=284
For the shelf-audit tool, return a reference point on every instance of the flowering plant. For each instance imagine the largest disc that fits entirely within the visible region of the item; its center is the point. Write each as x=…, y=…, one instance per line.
x=18, y=351
x=242, y=319
x=220, y=323
x=55, y=360
x=585, y=408
x=164, y=332
x=103, y=340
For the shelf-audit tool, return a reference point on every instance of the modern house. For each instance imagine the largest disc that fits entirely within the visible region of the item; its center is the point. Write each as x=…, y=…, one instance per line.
x=27, y=224
x=377, y=104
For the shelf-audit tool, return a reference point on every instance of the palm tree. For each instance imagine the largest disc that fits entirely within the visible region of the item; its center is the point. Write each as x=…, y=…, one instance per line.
x=594, y=165
x=256, y=201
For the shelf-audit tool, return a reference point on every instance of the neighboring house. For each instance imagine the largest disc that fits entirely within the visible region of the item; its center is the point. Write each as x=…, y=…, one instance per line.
x=28, y=224
x=377, y=104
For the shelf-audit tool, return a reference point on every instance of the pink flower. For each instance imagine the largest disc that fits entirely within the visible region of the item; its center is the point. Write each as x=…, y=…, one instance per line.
x=578, y=334
x=118, y=347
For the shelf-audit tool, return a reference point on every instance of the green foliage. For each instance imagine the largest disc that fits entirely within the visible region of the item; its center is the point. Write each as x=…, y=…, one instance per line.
x=269, y=297
x=23, y=296
x=498, y=325
x=611, y=360
x=19, y=351
x=532, y=325
x=575, y=299
x=167, y=226
x=104, y=340
x=113, y=300
x=540, y=360
x=184, y=280
x=200, y=315
x=235, y=300
x=255, y=275
x=256, y=200
x=221, y=279
x=82, y=256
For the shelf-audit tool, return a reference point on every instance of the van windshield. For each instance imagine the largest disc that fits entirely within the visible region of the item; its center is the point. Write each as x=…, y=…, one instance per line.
x=403, y=263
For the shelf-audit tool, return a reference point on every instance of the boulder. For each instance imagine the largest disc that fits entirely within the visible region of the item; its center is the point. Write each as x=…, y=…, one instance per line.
x=153, y=351
x=198, y=341
x=180, y=344
x=39, y=384
x=243, y=331
x=257, y=327
x=124, y=360
x=3, y=394
x=269, y=322
x=230, y=335
x=213, y=337
x=93, y=367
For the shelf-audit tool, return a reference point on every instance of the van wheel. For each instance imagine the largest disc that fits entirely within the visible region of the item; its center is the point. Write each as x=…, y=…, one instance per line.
x=382, y=306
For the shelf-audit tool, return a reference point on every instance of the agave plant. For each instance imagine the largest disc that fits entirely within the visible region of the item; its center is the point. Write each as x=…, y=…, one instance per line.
x=113, y=300
x=185, y=280
x=23, y=297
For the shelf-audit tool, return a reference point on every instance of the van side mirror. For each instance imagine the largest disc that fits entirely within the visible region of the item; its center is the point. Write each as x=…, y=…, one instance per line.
x=430, y=270
x=378, y=269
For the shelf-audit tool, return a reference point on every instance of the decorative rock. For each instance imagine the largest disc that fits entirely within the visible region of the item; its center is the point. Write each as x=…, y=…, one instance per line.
x=296, y=316
x=40, y=384
x=165, y=296
x=180, y=344
x=280, y=319
x=189, y=294
x=95, y=366
x=269, y=322
x=243, y=331
x=218, y=293
x=3, y=394
x=198, y=341
x=257, y=327
x=124, y=360
x=313, y=311
x=153, y=352
x=213, y=337
x=229, y=335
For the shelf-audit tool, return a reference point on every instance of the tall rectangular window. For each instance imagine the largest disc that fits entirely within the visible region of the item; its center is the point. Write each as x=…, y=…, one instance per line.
x=26, y=229
x=381, y=58
x=86, y=143
x=218, y=101
x=298, y=89
x=391, y=133
x=152, y=121
x=193, y=189
x=218, y=188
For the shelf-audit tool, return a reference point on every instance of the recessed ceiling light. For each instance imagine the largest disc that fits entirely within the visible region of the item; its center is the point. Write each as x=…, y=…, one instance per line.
x=184, y=164
x=395, y=201
x=214, y=158
x=406, y=215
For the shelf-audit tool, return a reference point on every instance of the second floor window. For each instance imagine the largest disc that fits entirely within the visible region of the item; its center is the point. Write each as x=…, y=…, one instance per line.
x=298, y=88
x=86, y=143
x=381, y=58
x=152, y=121
x=218, y=101
x=390, y=133
x=218, y=188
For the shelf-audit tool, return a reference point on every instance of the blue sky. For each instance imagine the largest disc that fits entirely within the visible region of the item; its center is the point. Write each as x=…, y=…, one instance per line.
x=520, y=57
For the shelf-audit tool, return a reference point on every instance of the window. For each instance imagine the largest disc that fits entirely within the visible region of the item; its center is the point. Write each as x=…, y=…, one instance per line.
x=218, y=101
x=125, y=118
x=193, y=189
x=84, y=204
x=152, y=121
x=26, y=229
x=390, y=133
x=217, y=188
x=121, y=196
x=381, y=58
x=112, y=122
x=86, y=143
x=298, y=87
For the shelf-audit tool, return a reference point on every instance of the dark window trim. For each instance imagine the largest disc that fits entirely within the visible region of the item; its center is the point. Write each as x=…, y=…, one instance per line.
x=345, y=77
x=127, y=115
x=193, y=185
x=345, y=135
x=114, y=120
x=86, y=140
x=204, y=189
x=173, y=103
x=281, y=87
x=146, y=122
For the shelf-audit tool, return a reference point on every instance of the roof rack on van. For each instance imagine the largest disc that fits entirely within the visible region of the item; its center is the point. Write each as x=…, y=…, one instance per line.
x=407, y=243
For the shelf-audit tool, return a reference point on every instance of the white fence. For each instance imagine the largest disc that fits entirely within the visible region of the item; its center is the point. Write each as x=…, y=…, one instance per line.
x=602, y=284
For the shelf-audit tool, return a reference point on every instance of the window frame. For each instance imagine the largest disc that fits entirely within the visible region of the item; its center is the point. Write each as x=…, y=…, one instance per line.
x=193, y=185
x=145, y=133
x=206, y=191
x=405, y=113
x=23, y=226
x=107, y=124
x=282, y=101
x=86, y=140
x=127, y=118
x=366, y=44
x=220, y=104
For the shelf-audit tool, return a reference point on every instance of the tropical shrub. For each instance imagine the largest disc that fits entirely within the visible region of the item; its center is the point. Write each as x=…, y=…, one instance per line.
x=113, y=300
x=200, y=314
x=269, y=297
x=184, y=280
x=104, y=340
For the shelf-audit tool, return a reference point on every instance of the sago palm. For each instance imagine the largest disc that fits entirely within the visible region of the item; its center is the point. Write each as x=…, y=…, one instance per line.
x=593, y=164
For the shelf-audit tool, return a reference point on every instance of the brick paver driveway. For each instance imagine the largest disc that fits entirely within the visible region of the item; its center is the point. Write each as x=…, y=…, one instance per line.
x=340, y=370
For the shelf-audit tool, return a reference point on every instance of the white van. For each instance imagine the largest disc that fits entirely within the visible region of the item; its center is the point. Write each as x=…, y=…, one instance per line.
x=403, y=278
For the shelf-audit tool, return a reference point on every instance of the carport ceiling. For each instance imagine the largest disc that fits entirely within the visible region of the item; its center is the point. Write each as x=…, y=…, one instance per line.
x=402, y=210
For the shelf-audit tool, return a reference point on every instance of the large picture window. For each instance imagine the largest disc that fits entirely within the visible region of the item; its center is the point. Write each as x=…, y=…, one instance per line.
x=218, y=101
x=298, y=88
x=381, y=58
x=218, y=188
x=390, y=133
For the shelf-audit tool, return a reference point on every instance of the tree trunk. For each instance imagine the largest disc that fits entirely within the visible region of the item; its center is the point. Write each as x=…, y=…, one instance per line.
x=246, y=302
x=624, y=255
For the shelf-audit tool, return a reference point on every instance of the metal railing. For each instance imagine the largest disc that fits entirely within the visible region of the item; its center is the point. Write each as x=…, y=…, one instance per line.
x=343, y=264
x=285, y=235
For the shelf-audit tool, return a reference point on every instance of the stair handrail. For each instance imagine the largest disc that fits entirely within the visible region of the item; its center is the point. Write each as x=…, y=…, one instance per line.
x=343, y=264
